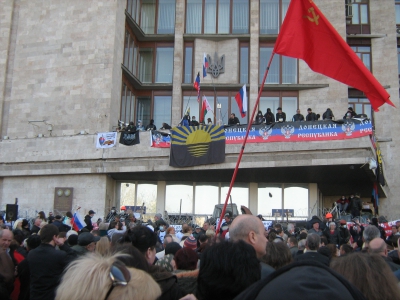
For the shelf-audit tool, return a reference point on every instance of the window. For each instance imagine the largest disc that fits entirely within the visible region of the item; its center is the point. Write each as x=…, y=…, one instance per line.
x=244, y=64
x=397, y=2
x=288, y=100
x=225, y=99
x=364, y=53
x=127, y=104
x=187, y=76
x=239, y=193
x=162, y=110
x=272, y=13
x=206, y=196
x=358, y=20
x=283, y=69
x=161, y=65
x=166, y=17
x=133, y=9
x=145, y=64
x=164, y=64
x=220, y=16
x=294, y=197
x=179, y=198
x=361, y=106
x=136, y=107
x=147, y=196
x=130, y=53
x=144, y=14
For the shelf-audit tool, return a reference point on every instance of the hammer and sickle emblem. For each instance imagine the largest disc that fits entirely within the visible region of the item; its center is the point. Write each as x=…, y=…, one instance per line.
x=314, y=18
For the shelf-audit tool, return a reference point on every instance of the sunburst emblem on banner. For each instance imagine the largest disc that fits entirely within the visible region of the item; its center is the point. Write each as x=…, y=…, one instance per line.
x=197, y=139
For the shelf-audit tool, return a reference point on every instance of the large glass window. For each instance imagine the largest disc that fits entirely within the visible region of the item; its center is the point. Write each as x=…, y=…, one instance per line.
x=397, y=2
x=357, y=17
x=239, y=194
x=187, y=77
x=272, y=14
x=361, y=106
x=133, y=8
x=179, y=198
x=143, y=110
x=294, y=196
x=127, y=104
x=206, y=196
x=166, y=17
x=130, y=53
x=148, y=16
x=194, y=12
x=269, y=198
x=364, y=53
x=162, y=110
x=287, y=100
x=220, y=16
x=144, y=14
x=147, y=196
x=164, y=64
x=145, y=64
x=283, y=69
x=244, y=64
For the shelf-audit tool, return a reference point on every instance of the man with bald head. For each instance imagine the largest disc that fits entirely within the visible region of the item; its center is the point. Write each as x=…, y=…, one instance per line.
x=250, y=229
x=6, y=264
x=378, y=246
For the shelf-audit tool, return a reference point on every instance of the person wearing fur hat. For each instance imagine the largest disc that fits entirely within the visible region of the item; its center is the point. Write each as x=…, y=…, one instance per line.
x=315, y=227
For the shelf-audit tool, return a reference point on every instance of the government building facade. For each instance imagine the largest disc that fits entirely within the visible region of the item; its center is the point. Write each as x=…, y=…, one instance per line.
x=71, y=69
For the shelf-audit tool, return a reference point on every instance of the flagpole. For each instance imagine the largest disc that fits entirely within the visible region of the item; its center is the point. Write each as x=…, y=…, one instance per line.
x=244, y=143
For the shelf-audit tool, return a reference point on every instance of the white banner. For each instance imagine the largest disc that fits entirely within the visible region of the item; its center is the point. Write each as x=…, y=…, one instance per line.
x=267, y=224
x=106, y=139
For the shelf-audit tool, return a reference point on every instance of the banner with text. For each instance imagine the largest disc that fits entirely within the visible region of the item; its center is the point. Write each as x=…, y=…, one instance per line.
x=106, y=139
x=299, y=131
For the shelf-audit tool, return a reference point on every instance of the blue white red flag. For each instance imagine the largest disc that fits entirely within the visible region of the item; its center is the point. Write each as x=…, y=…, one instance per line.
x=196, y=85
x=205, y=65
x=241, y=100
x=77, y=221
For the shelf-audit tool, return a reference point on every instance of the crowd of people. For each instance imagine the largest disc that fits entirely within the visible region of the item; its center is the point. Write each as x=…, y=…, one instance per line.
x=122, y=258
x=269, y=118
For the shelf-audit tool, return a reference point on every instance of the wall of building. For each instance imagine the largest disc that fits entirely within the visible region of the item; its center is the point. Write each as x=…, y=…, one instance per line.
x=66, y=63
x=37, y=193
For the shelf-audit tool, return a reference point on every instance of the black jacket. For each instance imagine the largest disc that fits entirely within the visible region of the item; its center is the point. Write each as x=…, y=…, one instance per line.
x=313, y=256
x=61, y=227
x=269, y=118
x=333, y=238
x=282, y=116
x=233, y=121
x=298, y=117
x=88, y=222
x=311, y=117
x=46, y=265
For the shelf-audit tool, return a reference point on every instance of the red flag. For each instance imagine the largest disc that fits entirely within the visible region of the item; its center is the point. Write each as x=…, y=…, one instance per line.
x=196, y=85
x=308, y=35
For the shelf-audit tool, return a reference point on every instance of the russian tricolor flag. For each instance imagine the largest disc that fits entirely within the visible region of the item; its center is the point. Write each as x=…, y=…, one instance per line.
x=196, y=85
x=241, y=100
x=205, y=65
x=77, y=221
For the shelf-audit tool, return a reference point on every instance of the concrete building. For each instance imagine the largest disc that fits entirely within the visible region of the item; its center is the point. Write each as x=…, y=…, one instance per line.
x=71, y=69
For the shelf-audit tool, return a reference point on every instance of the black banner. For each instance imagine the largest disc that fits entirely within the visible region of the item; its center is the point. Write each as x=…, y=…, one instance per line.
x=129, y=138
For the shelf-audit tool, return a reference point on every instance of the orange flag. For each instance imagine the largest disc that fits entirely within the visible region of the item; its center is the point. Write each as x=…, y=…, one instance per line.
x=308, y=35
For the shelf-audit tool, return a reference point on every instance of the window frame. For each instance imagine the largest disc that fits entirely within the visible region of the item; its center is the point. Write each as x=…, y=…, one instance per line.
x=217, y=2
x=358, y=28
x=280, y=95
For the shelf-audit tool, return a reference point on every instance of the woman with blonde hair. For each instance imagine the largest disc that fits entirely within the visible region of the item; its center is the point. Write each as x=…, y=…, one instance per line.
x=103, y=246
x=171, y=231
x=104, y=277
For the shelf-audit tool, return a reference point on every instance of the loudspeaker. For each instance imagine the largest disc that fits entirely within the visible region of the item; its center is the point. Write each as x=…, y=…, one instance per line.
x=11, y=212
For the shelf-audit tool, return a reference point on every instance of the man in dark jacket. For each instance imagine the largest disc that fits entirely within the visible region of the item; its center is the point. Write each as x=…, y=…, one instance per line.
x=298, y=117
x=61, y=227
x=311, y=116
x=280, y=115
x=88, y=220
x=355, y=205
x=312, y=245
x=46, y=264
